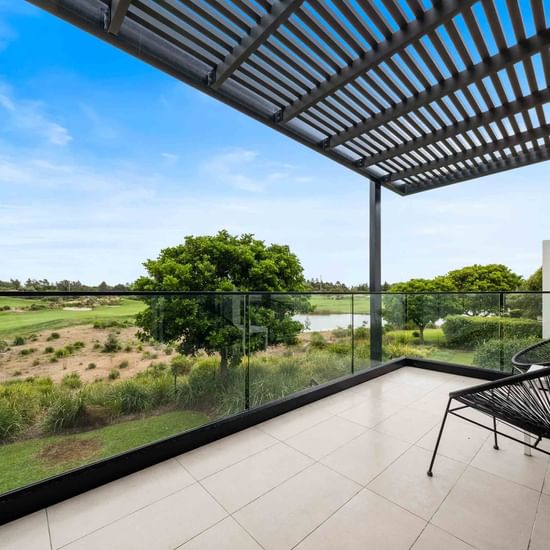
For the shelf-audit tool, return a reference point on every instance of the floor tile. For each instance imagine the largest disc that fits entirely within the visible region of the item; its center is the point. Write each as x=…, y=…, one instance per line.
x=488, y=512
x=419, y=378
x=408, y=424
x=366, y=521
x=78, y=516
x=325, y=437
x=285, y=515
x=434, y=538
x=373, y=411
x=164, y=525
x=461, y=440
x=294, y=422
x=540, y=537
x=241, y=483
x=212, y=458
x=366, y=456
x=28, y=533
x=226, y=535
x=342, y=401
x=511, y=463
x=405, y=481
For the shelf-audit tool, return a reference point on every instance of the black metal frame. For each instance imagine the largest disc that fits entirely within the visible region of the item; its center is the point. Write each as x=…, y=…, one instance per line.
x=506, y=382
x=521, y=363
x=404, y=110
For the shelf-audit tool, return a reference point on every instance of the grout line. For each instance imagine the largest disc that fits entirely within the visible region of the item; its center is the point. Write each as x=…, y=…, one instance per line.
x=49, y=530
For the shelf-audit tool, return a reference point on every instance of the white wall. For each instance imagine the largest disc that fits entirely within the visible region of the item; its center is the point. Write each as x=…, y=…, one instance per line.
x=546, y=287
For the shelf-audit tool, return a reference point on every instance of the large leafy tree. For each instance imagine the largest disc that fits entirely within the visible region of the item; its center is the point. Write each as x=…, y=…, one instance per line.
x=219, y=322
x=524, y=304
x=417, y=301
x=475, y=279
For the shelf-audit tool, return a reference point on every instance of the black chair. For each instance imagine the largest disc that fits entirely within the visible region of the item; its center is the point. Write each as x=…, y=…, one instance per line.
x=521, y=402
x=537, y=354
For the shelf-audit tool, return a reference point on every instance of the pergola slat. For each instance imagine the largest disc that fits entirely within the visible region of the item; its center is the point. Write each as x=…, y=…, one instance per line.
x=119, y=9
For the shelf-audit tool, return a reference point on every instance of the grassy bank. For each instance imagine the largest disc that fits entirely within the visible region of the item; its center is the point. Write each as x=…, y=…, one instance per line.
x=31, y=460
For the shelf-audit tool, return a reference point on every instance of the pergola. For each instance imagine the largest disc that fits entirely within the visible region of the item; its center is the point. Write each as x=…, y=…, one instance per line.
x=411, y=94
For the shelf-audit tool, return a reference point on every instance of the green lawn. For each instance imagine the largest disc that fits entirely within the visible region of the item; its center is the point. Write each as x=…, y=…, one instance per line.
x=27, y=322
x=339, y=304
x=24, y=462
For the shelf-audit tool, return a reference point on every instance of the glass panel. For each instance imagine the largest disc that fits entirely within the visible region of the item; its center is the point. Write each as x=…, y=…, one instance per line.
x=297, y=341
x=361, y=332
x=86, y=377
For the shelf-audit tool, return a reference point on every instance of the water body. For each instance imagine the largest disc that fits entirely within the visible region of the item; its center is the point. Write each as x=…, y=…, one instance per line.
x=317, y=323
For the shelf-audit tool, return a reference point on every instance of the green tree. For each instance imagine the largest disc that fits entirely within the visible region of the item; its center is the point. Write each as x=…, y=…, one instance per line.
x=418, y=302
x=483, y=278
x=527, y=305
x=217, y=323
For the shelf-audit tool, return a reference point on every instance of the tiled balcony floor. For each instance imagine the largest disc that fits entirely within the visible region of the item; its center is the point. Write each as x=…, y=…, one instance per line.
x=346, y=472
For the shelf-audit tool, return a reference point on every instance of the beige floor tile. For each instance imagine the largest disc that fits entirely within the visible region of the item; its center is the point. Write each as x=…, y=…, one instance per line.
x=405, y=481
x=546, y=484
x=540, y=537
x=241, y=483
x=78, y=516
x=164, y=525
x=420, y=378
x=285, y=515
x=28, y=533
x=325, y=437
x=433, y=402
x=226, y=535
x=366, y=521
x=373, y=411
x=292, y=423
x=212, y=458
x=434, y=538
x=341, y=402
x=408, y=424
x=460, y=441
x=511, y=463
x=488, y=512
x=366, y=456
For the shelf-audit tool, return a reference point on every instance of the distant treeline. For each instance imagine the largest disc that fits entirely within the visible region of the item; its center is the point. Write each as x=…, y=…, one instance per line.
x=44, y=284
x=319, y=284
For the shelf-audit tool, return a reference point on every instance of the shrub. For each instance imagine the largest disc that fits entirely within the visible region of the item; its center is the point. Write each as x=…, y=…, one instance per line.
x=114, y=374
x=317, y=341
x=36, y=362
x=123, y=365
x=91, y=366
x=468, y=332
x=62, y=352
x=96, y=346
x=362, y=333
x=181, y=365
x=17, y=373
x=78, y=345
x=416, y=334
x=487, y=354
x=54, y=336
x=392, y=350
x=27, y=351
x=204, y=382
x=3, y=346
x=112, y=344
x=19, y=341
x=128, y=348
x=72, y=381
x=49, y=349
x=132, y=397
x=11, y=421
x=341, y=348
x=340, y=332
x=65, y=411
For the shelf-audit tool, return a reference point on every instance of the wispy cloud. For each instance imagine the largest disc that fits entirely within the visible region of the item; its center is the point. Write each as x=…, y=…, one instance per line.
x=29, y=117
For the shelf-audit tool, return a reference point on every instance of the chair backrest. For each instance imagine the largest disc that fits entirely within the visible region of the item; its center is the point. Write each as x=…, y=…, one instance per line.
x=522, y=400
x=537, y=354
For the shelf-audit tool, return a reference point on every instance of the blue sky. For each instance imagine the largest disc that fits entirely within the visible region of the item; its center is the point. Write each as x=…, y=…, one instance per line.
x=104, y=161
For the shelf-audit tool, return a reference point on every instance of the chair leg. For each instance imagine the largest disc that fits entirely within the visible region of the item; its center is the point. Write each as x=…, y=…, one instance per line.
x=430, y=472
x=495, y=446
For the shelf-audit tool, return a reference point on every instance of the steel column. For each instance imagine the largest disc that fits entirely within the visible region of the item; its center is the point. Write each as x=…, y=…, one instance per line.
x=375, y=272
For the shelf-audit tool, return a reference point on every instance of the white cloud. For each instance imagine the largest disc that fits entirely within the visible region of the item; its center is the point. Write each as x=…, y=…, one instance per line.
x=28, y=116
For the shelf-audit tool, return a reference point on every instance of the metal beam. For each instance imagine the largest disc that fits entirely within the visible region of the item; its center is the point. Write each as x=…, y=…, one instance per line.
x=497, y=145
x=484, y=169
x=443, y=11
x=375, y=271
x=280, y=12
x=117, y=13
x=472, y=75
x=483, y=119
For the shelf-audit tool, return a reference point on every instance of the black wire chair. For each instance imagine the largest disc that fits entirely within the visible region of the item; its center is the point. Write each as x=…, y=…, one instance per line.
x=537, y=354
x=521, y=402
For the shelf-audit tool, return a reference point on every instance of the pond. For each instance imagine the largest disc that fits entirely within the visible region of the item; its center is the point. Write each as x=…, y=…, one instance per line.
x=317, y=323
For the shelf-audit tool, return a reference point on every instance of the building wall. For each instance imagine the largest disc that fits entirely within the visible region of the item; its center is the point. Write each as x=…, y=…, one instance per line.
x=546, y=287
